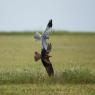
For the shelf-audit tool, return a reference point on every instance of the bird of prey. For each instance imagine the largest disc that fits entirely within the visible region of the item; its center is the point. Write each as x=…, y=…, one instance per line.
x=46, y=49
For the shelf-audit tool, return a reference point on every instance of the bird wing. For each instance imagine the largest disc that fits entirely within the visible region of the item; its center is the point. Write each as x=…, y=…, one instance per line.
x=45, y=34
x=37, y=36
x=48, y=66
x=49, y=26
x=48, y=29
x=46, y=62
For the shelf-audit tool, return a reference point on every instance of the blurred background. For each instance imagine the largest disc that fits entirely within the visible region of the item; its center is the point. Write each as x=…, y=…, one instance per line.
x=30, y=15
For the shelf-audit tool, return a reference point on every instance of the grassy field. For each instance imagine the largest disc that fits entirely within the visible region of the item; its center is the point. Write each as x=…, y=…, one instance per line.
x=73, y=59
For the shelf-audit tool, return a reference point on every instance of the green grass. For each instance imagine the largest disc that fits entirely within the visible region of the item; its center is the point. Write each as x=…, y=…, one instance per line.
x=73, y=59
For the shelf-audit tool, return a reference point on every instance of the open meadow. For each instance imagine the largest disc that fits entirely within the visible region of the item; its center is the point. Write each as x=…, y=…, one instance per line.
x=73, y=59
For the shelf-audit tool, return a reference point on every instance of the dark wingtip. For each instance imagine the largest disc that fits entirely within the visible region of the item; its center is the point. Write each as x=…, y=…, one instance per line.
x=50, y=23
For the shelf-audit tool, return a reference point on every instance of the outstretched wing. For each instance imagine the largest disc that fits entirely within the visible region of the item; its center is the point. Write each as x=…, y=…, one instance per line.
x=45, y=53
x=48, y=66
x=45, y=50
x=48, y=29
x=49, y=69
x=38, y=36
x=49, y=25
x=46, y=62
